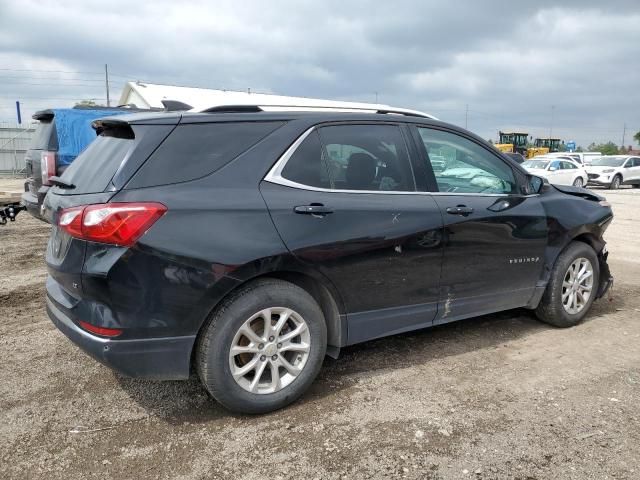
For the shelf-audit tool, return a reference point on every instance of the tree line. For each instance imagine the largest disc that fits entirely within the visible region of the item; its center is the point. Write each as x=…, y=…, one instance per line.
x=610, y=148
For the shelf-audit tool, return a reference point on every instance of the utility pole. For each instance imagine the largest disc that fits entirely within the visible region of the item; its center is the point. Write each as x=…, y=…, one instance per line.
x=624, y=132
x=376, y=96
x=551, y=126
x=106, y=83
x=466, y=115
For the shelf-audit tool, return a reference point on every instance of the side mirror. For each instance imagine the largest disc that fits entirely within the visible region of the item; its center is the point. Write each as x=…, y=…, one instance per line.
x=535, y=184
x=553, y=169
x=628, y=165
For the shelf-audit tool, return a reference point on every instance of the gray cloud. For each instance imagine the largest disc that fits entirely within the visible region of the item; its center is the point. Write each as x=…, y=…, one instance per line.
x=508, y=62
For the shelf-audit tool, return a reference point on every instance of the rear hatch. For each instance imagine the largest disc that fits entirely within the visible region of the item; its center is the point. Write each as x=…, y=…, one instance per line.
x=93, y=178
x=45, y=139
x=94, y=226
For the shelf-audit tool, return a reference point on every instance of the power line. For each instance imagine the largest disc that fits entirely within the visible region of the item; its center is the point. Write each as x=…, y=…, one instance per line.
x=53, y=84
x=52, y=78
x=19, y=97
x=45, y=71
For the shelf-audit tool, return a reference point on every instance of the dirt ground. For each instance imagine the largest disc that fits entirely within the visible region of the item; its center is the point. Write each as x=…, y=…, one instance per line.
x=498, y=396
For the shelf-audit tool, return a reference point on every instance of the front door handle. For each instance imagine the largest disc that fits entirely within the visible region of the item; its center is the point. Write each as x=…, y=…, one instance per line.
x=313, y=209
x=460, y=210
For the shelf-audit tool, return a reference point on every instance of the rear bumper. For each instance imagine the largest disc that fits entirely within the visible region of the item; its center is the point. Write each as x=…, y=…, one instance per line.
x=153, y=358
x=33, y=200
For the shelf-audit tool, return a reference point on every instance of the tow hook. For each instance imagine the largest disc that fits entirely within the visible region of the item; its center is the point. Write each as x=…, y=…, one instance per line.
x=10, y=212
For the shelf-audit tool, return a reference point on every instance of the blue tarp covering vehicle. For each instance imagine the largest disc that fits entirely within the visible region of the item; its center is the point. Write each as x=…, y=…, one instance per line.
x=61, y=135
x=73, y=127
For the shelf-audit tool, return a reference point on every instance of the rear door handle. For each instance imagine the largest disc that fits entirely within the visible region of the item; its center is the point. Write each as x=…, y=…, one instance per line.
x=313, y=209
x=460, y=210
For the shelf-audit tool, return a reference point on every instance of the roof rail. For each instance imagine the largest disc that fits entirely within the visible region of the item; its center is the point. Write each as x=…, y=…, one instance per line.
x=319, y=108
x=408, y=113
x=234, y=109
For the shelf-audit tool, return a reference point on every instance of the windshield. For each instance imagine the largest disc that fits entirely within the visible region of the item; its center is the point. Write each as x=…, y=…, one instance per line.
x=537, y=164
x=607, y=162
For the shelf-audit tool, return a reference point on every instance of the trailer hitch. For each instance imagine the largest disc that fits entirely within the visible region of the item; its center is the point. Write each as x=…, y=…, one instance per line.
x=10, y=212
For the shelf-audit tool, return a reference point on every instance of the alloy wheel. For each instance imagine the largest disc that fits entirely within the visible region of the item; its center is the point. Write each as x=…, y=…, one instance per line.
x=269, y=350
x=577, y=285
x=615, y=184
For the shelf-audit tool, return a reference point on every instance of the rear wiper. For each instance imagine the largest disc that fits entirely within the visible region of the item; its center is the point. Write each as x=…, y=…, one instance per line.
x=58, y=182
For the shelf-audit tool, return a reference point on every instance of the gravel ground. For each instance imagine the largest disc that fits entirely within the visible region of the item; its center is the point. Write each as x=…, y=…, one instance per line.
x=498, y=396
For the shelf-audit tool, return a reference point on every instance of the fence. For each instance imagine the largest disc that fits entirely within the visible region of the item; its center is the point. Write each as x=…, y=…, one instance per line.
x=14, y=142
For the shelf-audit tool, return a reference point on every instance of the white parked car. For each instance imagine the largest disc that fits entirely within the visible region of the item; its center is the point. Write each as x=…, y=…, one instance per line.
x=559, y=171
x=585, y=158
x=614, y=170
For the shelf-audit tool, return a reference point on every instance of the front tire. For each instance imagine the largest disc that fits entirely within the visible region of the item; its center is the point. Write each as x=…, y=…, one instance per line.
x=615, y=183
x=572, y=286
x=262, y=347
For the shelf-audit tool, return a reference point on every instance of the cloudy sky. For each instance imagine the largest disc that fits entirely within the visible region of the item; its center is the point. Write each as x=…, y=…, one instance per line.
x=491, y=64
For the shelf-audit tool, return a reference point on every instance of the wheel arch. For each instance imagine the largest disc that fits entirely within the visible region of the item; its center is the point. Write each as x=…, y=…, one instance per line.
x=590, y=239
x=325, y=295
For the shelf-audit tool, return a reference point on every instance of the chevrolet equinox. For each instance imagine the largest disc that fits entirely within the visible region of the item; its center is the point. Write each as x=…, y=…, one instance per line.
x=246, y=244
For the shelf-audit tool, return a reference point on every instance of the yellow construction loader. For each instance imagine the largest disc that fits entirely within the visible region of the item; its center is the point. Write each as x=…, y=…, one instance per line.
x=542, y=146
x=512, y=142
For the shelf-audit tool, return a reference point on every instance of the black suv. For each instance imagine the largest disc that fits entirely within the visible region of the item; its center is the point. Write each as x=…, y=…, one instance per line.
x=246, y=246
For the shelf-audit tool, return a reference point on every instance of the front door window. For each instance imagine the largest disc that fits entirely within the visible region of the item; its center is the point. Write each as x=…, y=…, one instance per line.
x=464, y=166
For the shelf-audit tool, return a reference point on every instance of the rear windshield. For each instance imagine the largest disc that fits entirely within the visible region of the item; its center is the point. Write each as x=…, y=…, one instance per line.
x=94, y=168
x=45, y=137
x=196, y=150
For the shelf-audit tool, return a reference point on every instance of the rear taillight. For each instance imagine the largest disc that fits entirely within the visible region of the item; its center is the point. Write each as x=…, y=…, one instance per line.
x=48, y=166
x=114, y=223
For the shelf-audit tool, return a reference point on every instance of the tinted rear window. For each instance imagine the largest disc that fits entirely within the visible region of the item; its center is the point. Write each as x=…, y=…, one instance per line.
x=92, y=171
x=196, y=150
x=45, y=137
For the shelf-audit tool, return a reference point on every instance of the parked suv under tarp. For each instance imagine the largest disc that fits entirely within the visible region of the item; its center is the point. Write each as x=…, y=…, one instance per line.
x=61, y=134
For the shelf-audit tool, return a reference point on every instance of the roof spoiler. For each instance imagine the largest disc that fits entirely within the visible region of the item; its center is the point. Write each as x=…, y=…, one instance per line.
x=112, y=127
x=43, y=115
x=175, y=106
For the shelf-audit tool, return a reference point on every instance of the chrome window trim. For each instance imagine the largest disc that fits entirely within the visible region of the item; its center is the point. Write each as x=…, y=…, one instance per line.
x=275, y=176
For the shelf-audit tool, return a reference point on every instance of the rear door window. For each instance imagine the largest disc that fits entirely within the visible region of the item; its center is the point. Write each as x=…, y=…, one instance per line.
x=195, y=150
x=367, y=157
x=307, y=165
x=352, y=157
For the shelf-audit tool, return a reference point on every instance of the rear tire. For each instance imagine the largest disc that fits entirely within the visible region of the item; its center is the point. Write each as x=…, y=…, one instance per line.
x=615, y=183
x=555, y=307
x=578, y=182
x=284, y=370
x=636, y=185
